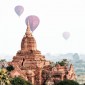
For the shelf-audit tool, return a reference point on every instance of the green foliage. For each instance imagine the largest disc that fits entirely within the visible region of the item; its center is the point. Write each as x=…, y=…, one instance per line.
x=10, y=68
x=19, y=81
x=4, y=77
x=2, y=60
x=67, y=82
x=63, y=62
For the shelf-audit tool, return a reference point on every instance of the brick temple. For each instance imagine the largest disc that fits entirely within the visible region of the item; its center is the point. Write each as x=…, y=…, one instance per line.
x=59, y=73
x=30, y=64
x=29, y=61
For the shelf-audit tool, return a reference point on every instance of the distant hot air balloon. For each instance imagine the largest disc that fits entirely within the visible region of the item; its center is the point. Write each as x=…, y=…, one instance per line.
x=19, y=10
x=33, y=21
x=66, y=35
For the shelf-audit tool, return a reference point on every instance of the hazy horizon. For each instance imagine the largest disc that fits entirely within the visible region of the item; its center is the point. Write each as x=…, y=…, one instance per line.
x=48, y=56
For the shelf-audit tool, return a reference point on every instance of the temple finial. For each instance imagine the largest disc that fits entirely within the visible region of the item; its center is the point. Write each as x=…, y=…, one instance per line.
x=28, y=31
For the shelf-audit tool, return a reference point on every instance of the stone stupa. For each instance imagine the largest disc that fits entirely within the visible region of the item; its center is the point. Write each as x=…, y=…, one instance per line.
x=28, y=59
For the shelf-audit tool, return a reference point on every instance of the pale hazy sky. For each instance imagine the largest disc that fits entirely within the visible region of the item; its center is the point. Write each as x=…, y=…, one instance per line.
x=56, y=17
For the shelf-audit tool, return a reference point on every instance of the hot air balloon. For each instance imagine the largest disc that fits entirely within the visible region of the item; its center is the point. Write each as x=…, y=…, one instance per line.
x=66, y=35
x=33, y=21
x=19, y=10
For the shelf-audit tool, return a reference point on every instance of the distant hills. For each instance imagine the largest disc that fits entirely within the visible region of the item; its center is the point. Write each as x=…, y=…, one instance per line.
x=69, y=56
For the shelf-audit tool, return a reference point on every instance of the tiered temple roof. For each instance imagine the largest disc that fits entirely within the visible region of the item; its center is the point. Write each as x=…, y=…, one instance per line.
x=29, y=59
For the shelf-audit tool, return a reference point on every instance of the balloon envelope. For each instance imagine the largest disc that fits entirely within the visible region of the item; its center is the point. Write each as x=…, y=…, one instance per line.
x=19, y=10
x=66, y=35
x=33, y=21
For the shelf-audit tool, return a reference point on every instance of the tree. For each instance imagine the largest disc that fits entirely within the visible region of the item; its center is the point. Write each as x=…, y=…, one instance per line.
x=10, y=68
x=63, y=62
x=2, y=60
x=3, y=63
x=4, y=77
x=67, y=82
x=19, y=81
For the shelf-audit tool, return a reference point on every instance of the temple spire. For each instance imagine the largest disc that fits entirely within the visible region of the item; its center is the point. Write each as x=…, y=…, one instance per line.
x=28, y=31
x=28, y=42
